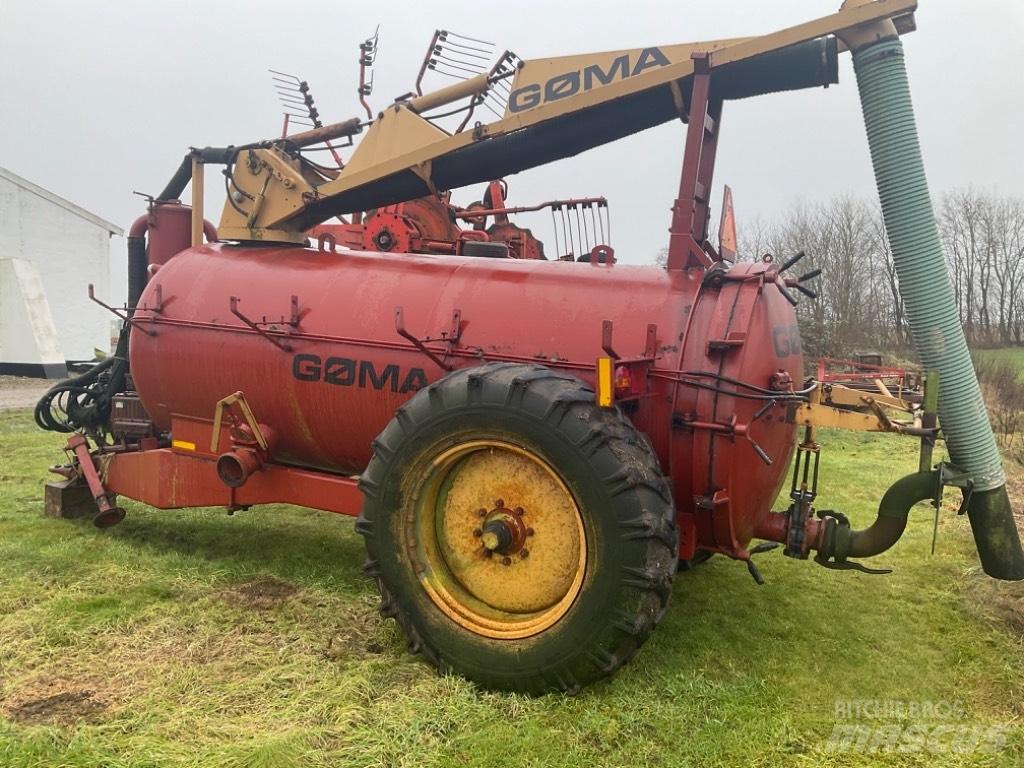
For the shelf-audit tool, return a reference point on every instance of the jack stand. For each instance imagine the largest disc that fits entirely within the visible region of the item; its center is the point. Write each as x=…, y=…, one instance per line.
x=108, y=514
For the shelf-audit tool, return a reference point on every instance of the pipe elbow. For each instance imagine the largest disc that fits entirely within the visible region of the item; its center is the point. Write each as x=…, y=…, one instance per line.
x=840, y=542
x=139, y=227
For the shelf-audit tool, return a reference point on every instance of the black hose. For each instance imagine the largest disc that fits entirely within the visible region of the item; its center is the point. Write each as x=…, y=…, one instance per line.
x=84, y=402
x=138, y=270
x=178, y=181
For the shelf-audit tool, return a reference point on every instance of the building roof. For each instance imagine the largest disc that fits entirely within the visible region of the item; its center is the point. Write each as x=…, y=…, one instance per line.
x=28, y=186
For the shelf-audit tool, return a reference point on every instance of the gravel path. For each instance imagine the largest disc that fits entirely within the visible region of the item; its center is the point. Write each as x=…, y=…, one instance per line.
x=17, y=392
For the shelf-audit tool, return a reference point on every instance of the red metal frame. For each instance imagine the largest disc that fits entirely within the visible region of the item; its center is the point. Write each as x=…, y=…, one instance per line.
x=689, y=231
x=185, y=475
x=864, y=371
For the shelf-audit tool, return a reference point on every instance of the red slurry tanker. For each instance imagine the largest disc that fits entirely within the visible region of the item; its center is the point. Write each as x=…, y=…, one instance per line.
x=532, y=440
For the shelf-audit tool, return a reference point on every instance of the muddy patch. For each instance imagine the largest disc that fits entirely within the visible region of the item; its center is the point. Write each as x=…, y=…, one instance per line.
x=360, y=633
x=69, y=707
x=262, y=594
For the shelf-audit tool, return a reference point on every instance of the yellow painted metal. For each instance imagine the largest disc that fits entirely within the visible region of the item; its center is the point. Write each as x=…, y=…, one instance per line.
x=237, y=398
x=605, y=382
x=499, y=596
x=819, y=415
x=474, y=86
x=840, y=407
x=183, y=445
x=197, y=201
x=840, y=395
x=400, y=140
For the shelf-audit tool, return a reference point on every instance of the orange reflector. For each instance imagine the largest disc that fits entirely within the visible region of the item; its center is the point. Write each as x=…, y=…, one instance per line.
x=605, y=383
x=183, y=445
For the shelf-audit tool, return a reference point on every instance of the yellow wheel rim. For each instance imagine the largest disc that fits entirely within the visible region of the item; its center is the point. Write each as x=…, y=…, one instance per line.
x=498, y=539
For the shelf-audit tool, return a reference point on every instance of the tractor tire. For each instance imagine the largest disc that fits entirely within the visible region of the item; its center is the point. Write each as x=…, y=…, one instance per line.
x=519, y=534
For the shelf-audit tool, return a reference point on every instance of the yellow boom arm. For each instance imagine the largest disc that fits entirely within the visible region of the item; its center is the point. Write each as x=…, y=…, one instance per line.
x=558, y=107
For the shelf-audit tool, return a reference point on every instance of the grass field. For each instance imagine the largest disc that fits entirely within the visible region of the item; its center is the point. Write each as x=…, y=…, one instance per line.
x=198, y=639
x=1013, y=355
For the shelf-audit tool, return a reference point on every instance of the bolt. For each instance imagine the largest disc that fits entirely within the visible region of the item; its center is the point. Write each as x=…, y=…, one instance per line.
x=524, y=553
x=488, y=553
x=518, y=511
x=481, y=512
x=477, y=533
x=529, y=531
x=499, y=503
x=506, y=561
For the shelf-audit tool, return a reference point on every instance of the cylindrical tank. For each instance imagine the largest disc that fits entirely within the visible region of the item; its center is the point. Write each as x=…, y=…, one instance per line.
x=329, y=382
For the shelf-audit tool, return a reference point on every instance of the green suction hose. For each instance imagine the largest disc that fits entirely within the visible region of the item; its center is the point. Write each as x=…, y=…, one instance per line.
x=928, y=294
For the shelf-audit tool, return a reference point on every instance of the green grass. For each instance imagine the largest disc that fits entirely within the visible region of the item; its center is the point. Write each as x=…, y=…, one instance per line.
x=1013, y=355
x=198, y=639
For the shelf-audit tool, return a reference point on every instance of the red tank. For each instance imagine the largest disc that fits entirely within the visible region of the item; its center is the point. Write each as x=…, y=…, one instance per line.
x=327, y=370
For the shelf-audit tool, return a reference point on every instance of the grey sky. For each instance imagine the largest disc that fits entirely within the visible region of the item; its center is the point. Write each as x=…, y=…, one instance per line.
x=102, y=98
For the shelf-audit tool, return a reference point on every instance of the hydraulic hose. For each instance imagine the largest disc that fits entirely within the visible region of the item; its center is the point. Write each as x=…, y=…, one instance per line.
x=928, y=295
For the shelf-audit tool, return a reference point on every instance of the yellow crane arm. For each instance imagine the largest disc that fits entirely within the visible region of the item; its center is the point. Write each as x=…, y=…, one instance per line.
x=558, y=107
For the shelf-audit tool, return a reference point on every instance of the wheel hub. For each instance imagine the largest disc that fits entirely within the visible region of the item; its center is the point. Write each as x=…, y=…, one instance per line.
x=499, y=569
x=504, y=531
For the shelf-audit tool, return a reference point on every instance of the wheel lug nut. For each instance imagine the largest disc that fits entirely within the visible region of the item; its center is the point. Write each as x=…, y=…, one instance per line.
x=506, y=561
x=488, y=553
x=481, y=512
x=518, y=511
x=524, y=553
x=477, y=533
x=529, y=531
x=499, y=503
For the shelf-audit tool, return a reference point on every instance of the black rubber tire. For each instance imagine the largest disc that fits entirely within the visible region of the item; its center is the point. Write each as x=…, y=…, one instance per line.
x=624, y=500
x=484, y=249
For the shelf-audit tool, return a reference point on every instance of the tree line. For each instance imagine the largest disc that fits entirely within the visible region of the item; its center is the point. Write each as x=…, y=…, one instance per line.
x=859, y=309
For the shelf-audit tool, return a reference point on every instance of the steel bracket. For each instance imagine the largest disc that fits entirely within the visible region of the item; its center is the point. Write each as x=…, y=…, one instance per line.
x=270, y=329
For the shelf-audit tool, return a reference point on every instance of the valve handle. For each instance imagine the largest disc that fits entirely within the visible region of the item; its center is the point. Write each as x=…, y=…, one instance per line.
x=785, y=293
x=809, y=275
x=791, y=261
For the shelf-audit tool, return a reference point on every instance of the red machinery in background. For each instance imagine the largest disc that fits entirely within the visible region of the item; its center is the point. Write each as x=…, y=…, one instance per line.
x=433, y=225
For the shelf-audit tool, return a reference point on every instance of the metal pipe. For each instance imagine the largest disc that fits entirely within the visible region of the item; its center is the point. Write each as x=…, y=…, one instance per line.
x=474, y=86
x=928, y=294
x=197, y=201
x=341, y=130
x=888, y=527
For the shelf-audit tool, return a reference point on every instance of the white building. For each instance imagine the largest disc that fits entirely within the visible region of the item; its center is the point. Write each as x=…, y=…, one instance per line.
x=50, y=251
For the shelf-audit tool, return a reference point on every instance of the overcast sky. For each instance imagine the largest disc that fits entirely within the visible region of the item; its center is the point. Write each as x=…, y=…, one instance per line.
x=101, y=98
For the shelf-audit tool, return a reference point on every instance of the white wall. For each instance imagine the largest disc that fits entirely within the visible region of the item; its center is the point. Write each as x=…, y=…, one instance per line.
x=28, y=335
x=69, y=252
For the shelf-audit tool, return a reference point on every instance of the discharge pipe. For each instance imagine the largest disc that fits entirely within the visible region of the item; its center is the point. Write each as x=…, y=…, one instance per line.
x=926, y=289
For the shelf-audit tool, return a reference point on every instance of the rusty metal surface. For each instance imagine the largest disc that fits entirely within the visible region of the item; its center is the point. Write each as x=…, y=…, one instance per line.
x=502, y=589
x=349, y=369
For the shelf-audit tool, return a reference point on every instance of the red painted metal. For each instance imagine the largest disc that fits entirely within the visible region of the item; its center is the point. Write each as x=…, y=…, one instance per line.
x=854, y=370
x=168, y=224
x=689, y=230
x=328, y=383
x=168, y=480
